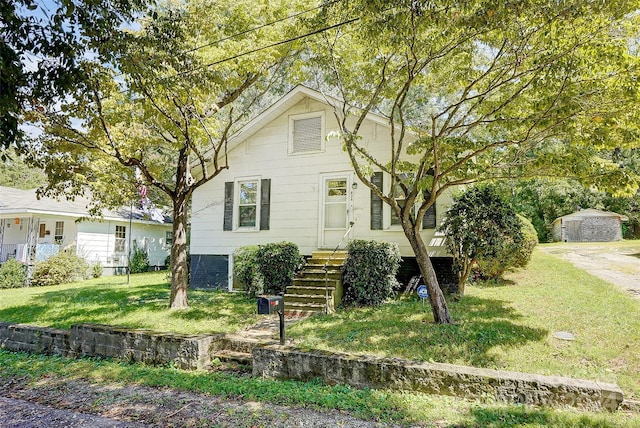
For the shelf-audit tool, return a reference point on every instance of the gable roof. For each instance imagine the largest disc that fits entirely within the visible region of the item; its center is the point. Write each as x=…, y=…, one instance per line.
x=591, y=212
x=17, y=201
x=293, y=97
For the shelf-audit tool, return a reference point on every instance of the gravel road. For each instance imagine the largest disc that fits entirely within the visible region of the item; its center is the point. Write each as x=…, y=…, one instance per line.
x=617, y=265
x=78, y=404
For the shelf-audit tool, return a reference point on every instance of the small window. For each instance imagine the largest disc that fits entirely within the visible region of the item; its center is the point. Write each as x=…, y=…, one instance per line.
x=168, y=237
x=247, y=204
x=306, y=133
x=59, y=235
x=399, y=196
x=121, y=239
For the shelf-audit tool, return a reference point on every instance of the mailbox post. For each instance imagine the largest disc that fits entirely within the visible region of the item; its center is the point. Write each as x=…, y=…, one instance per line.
x=271, y=304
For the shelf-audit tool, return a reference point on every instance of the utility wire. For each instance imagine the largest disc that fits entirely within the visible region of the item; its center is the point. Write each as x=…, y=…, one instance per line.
x=259, y=27
x=282, y=42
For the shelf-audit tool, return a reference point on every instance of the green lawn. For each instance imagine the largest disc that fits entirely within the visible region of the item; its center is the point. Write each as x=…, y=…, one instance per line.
x=506, y=326
x=40, y=371
x=141, y=304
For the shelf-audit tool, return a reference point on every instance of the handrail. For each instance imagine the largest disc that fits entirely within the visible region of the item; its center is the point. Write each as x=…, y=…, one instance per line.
x=325, y=268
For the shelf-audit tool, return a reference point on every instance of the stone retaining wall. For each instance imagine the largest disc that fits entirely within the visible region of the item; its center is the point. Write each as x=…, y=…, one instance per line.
x=188, y=352
x=434, y=378
x=273, y=361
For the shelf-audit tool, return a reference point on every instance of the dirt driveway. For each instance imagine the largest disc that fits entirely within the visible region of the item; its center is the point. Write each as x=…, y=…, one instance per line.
x=614, y=262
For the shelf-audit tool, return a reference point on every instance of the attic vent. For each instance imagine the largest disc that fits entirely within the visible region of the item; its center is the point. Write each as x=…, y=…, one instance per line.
x=306, y=135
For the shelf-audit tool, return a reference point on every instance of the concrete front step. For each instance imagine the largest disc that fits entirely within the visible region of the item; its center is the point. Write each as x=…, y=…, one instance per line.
x=314, y=282
x=234, y=357
x=322, y=262
x=325, y=254
x=308, y=292
x=306, y=298
x=243, y=344
x=319, y=273
x=306, y=289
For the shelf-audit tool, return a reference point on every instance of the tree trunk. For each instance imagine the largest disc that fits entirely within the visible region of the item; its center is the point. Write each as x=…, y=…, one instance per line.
x=179, y=266
x=436, y=297
x=464, y=276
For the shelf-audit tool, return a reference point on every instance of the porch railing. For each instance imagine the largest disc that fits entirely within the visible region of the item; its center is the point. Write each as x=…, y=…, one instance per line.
x=7, y=251
x=325, y=268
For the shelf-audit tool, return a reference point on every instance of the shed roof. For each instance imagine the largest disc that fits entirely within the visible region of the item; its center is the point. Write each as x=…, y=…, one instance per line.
x=591, y=212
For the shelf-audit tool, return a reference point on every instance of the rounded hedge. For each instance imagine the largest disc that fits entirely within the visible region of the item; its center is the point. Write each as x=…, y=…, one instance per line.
x=369, y=273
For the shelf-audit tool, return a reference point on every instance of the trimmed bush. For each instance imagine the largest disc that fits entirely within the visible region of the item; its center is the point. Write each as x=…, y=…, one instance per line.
x=480, y=225
x=61, y=268
x=12, y=274
x=515, y=254
x=369, y=273
x=278, y=264
x=245, y=267
x=139, y=262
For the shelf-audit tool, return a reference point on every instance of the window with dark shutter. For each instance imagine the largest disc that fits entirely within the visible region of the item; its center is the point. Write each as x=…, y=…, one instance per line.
x=376, y=203
x=265, y=201
x=429, y=219
x=228, y=206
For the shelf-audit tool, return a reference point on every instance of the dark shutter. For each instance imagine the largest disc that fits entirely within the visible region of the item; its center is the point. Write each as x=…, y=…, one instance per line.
x=429, y=219
x=376, y=203
x=228, y=206
x=265, y=201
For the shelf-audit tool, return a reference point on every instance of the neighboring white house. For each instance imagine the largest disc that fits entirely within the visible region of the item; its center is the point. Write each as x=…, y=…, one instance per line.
x=33, y=229
x=287, y=181
x=588, y=225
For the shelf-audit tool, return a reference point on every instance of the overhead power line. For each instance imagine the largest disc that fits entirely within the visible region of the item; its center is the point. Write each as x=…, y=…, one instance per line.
x=272, y=45
x=265, y=25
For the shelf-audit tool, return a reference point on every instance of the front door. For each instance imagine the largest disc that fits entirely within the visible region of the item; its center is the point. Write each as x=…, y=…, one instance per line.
x=335, y=209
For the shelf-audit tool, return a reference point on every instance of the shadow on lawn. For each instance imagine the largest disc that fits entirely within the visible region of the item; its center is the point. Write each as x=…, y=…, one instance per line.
x=405, y=329
x=108, y=304
x=86, y=304
x=521, y=416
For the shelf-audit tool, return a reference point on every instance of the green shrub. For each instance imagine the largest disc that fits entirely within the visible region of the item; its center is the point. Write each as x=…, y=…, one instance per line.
x=96, y=270
x=277, y=265
x=369, y=273
x=139, y=262
x=245, y=267
x=12, y=274
x=514, y=254
x=61, y=268
x=480, y=225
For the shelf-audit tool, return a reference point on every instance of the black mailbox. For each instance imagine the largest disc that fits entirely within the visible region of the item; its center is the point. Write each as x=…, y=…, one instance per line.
x=270, y=305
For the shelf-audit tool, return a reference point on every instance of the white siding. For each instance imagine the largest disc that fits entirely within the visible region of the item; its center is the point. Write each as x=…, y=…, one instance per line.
x=295, y=192
x=96, y=242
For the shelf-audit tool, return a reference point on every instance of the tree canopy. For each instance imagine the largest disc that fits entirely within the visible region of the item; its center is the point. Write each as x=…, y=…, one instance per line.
x=160, y=113
x=41, y=47
x=476, y=91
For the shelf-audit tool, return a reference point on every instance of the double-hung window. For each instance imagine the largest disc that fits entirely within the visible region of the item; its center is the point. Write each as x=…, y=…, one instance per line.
x=246, y=204
x=121, y=239
x=247, y=212
x=59, y=234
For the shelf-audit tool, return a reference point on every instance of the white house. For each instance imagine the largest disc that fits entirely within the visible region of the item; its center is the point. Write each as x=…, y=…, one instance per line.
x=33, y=229
x=288, y=182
